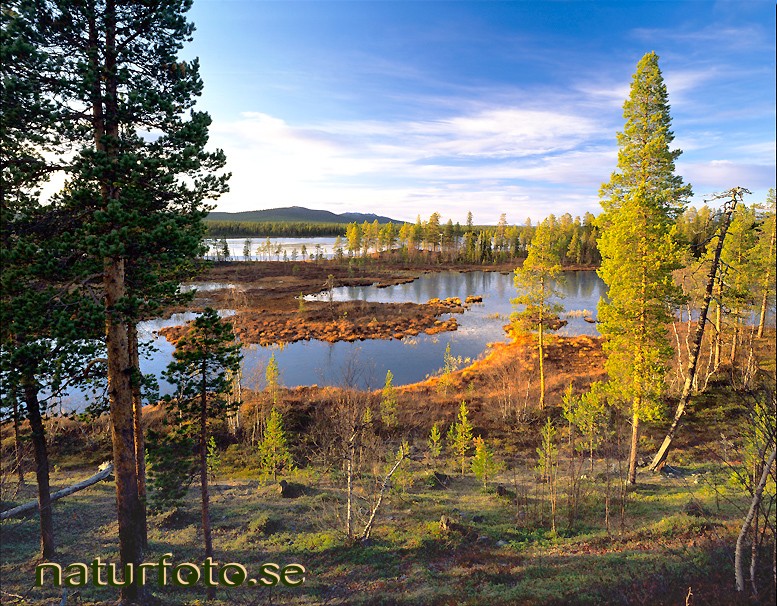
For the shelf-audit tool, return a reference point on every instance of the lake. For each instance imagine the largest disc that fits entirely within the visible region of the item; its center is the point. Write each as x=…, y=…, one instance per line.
x=413, y=359
x=410, y=359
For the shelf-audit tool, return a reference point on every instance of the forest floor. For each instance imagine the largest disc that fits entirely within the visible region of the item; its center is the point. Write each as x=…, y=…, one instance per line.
x=668, y=540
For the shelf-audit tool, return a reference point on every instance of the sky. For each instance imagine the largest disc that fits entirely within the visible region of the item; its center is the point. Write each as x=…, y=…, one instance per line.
x=408, y=108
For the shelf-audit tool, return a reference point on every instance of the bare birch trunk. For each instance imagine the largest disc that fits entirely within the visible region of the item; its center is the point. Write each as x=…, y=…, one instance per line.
x=767, y=280
x=754, y=504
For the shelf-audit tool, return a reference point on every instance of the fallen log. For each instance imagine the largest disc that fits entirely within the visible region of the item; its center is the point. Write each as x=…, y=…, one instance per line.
x=105, y=470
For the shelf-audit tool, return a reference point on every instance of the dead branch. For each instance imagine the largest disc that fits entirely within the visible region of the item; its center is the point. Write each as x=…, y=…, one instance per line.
x=105, y=471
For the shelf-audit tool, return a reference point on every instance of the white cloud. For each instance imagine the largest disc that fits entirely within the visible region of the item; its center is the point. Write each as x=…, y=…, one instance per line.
x=475, y=158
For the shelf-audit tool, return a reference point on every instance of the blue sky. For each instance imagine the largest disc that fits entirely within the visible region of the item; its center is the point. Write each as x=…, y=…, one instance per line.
x=402, y=108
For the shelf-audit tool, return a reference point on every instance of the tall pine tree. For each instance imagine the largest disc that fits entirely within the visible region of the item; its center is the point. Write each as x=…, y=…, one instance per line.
x=138, y=173
x=640, y=202
x=537, y=284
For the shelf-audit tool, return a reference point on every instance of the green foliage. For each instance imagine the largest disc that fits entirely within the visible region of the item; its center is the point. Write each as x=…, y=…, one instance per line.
x=637, y=244
x=274, y=454
x=537, y=283
x=435, y=442
x=213, y=457
x=460, y=436
x=403, y=477
x=484, y=465
x=272, y=229
x=388, y=402
x=547, y=452
x=272, y=379
x=202, y=362
x=588, y=413
x=198, y=370
x=170, y=468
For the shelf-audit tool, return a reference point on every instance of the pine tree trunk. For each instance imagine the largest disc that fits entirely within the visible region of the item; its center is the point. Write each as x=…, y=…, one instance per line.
x=137, y=421
x=541, y=347
x=17, y=446
x=105, y=130
x=718, y=328
x=206, y=530
x=41, y=466
x=122, y=427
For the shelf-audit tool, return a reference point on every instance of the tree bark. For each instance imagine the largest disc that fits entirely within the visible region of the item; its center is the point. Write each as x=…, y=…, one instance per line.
x=368, y=525
x=541, y=347
x=712, y=277
x=41, y=466
x=17, y=446
x=104, y=100
x=754, y=504
x=137, y=422
x=632, y=478
x=122, y=426
x=767, y=280
x=206, y=530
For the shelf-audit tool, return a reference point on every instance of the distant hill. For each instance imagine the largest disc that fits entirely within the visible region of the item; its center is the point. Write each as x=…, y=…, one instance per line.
x=297, y=214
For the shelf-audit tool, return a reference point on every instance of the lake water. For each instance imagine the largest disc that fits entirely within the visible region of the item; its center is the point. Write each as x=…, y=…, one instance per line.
x=364, y=363
x=413, y=359
x=277, y=247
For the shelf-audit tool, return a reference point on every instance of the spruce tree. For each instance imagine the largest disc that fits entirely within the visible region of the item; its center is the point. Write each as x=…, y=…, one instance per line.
x=460, y=436
x=640, y=202
x=388, y=402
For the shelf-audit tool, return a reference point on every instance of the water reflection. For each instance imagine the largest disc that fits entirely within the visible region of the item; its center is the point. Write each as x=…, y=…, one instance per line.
x=364, y=363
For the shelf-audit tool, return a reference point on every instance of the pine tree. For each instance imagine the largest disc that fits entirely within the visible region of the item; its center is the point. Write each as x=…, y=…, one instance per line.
x=45, y=324
x=112, y=76
x=388, y=402
x=274, y=455
x=435, y=442
x=460, y=436
x=202, y=359
x=272, y=376
x=484, y=465
x=537, y=283
x=640, y=202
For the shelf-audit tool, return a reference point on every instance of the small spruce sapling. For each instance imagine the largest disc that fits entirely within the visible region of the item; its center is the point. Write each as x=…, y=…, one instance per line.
x=388, y=402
